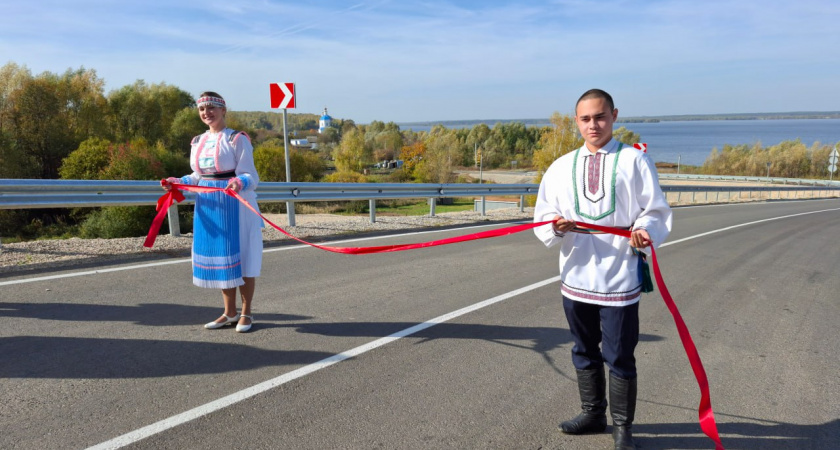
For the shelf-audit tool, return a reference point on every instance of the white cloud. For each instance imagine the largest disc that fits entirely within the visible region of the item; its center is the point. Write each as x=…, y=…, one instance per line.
x=404, y=61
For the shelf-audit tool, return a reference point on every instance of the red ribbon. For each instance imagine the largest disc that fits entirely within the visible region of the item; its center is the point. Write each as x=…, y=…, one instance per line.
x=706, y=414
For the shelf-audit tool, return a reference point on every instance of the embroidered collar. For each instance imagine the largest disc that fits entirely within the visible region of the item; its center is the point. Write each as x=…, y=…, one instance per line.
x=611, y=147
x=608, y=150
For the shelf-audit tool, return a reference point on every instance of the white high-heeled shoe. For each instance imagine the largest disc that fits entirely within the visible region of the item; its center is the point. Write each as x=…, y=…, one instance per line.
x=244, y=328
x=228, y=320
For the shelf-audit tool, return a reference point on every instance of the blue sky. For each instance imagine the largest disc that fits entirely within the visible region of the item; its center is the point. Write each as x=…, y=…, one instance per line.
x=407, y=61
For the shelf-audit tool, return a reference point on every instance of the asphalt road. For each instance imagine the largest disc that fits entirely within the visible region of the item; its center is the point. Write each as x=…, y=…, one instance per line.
x=120, y=357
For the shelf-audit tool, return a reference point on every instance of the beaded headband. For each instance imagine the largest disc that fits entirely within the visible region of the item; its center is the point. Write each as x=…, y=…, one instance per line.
x=214, y=101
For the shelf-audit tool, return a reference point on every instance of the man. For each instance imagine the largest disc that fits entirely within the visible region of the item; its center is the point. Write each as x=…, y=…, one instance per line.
x=607, y=183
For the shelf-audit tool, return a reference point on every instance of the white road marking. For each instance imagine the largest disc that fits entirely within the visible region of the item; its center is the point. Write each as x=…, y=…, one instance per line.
x=187, y=416
x=186, y=260
x=720, y=230
x=226, y=401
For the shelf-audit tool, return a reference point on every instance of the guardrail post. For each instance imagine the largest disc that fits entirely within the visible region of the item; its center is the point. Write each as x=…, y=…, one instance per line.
x=432, y=205
x=372, y=203
x=521, y=203
x=483, y=208
x=290, y=211
x=172, y=217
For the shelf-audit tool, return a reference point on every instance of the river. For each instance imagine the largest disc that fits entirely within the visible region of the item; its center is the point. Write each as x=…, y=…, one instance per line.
x=691, y=142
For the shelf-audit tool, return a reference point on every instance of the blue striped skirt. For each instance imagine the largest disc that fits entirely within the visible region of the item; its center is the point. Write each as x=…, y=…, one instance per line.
x=216, y=257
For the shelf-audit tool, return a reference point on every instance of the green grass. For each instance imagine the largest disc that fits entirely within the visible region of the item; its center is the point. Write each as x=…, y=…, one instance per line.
x=422, y=208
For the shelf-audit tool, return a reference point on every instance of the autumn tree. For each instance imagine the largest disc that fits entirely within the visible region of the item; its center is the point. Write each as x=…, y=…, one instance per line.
x=622, y=134
x=474, y=141
x=352, y=154
x=412, y=155
x=436, y=165
x=185, y=125
x=146, y=111
x=555, y=141
x=270, y=161
x=39, y=127
x=88, y=161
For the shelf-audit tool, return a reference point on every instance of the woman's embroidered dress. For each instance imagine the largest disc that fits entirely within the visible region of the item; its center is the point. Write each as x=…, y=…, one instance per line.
x=227, y=238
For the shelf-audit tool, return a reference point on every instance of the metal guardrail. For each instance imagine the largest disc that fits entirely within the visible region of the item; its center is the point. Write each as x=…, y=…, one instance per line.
x=23, y=194
x=29, y=194
x=32, y=193
x=769, y=180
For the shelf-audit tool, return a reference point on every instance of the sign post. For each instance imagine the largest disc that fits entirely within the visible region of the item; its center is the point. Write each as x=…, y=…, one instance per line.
x=832, y=163
x=283, y=96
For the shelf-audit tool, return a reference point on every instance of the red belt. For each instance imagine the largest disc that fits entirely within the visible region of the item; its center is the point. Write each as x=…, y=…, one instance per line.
x=706, y=414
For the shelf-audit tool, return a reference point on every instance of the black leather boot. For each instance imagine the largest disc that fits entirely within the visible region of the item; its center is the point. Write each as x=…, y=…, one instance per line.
x=623, y=410
x=593, y=404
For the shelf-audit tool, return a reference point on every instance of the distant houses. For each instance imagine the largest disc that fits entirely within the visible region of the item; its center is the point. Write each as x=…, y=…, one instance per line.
x=311, y=142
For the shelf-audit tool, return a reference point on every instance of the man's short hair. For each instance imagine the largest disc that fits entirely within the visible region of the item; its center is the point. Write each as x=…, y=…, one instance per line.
x=596, y=93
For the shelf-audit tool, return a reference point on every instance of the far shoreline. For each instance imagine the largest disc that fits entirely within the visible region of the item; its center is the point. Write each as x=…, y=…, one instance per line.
x=807, y=115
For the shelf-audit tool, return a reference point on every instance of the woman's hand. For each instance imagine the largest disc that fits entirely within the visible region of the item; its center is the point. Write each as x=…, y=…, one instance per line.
x=235, y=185
x=167, y=183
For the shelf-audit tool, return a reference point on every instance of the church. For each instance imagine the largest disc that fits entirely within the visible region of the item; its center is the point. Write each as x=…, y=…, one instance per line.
x=325, y=121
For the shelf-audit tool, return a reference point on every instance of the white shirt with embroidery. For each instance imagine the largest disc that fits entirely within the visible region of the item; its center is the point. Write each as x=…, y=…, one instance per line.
x=214, y=153
x=617, y=186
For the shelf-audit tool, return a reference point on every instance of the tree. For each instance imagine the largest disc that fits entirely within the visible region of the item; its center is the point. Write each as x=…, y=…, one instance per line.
x=387, y=144
x=626, y=136
x=555, y=141
x=99, y=159
x=329, y=136
x=412, y=155
x=13, y=162
x=270, y=161
x=352, y=154
x=88, y=161
x=47, y=116
x=12, y=78
x=40, y=128
x=186, y=125
x=146, y=111
x=436, y=166
x=86, y=106
x=475, y=140
x=346, y=125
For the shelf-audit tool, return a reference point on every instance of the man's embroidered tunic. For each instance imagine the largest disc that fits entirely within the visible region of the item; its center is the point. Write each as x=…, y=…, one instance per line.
x=617, y=186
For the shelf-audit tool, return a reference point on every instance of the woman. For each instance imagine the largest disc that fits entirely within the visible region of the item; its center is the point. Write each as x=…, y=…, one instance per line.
x=227, y=237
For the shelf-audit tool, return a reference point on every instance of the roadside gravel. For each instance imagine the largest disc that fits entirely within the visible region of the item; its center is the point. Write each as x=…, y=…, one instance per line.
x=35, y=256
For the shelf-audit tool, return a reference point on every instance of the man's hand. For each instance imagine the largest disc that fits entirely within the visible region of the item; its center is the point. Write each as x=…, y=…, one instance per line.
x=640, y=238
x=561, y=225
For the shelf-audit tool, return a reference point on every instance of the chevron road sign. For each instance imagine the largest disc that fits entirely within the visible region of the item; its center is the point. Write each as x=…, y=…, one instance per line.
x=282, y=95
